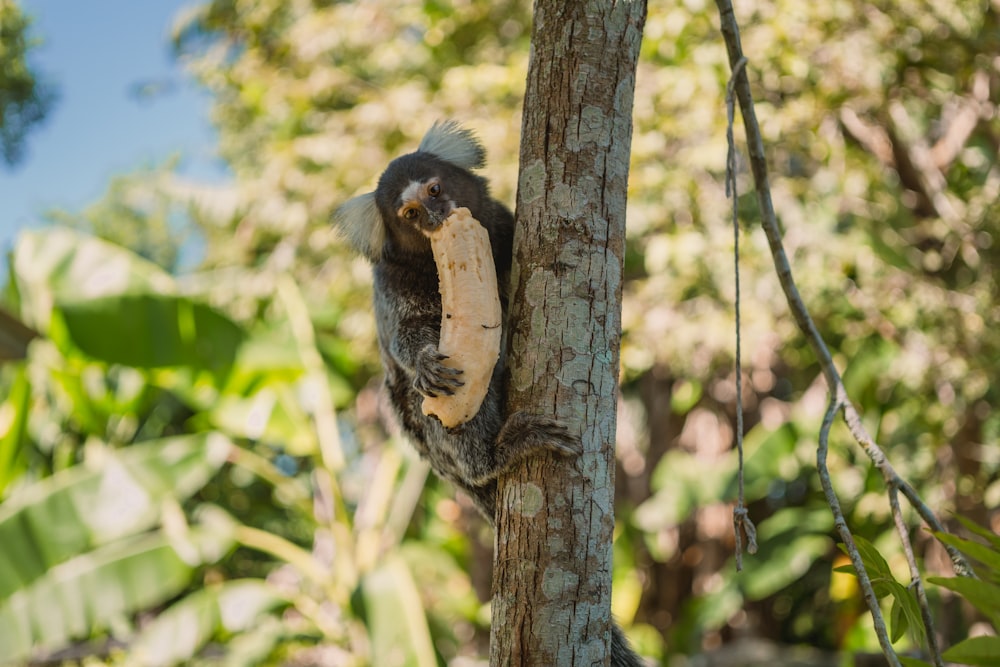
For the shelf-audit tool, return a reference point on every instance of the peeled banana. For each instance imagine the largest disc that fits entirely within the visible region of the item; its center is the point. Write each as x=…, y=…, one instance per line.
x=470, y=314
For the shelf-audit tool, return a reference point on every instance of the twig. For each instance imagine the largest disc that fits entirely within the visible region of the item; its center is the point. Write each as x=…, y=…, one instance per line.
x=840, y=523
x=803, y=320
x=915, y=580
x=893, y=480
x=839, y=400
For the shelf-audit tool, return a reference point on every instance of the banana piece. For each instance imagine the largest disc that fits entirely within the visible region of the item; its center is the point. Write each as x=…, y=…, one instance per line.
x=470, y=314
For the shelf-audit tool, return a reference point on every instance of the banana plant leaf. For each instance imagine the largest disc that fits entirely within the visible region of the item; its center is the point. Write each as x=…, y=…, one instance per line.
x=90, y=591
x=397, y=624
x=153, y=331
x=177, y=634
x=84, y=507
x=61, y=265
x=13, y=425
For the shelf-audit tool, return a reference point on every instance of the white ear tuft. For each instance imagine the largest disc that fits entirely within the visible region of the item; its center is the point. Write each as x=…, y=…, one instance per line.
x=359, y=222
x=453, y=143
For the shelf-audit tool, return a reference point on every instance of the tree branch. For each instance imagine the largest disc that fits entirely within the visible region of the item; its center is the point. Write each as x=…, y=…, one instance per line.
x=839, y=401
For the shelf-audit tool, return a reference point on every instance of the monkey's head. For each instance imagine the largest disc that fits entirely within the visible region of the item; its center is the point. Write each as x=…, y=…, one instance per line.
x=415, y=193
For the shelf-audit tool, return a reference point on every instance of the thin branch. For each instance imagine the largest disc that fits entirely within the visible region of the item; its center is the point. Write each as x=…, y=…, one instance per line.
x=915, y=165
x=14, y=337
x=893, y=480
x=840, y=523
x=758, y=165
x=915, y=580
x=839, y=400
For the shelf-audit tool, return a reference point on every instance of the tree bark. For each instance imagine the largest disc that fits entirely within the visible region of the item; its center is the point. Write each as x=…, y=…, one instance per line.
x=555, y=518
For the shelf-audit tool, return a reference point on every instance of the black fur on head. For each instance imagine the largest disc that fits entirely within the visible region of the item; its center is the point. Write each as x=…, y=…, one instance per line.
x=415, y=193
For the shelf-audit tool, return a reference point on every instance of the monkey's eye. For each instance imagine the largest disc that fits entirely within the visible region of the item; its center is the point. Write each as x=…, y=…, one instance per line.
x=410, y=213
x=434, y=189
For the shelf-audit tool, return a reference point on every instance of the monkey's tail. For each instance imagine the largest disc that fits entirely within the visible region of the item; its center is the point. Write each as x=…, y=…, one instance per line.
x=622, y=654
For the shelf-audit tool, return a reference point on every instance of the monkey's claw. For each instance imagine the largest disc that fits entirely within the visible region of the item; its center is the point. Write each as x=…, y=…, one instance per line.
x=524, y=436
x=433, y=378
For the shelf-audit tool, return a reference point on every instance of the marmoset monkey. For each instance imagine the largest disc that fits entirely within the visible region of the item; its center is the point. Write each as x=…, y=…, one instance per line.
x=416, y=193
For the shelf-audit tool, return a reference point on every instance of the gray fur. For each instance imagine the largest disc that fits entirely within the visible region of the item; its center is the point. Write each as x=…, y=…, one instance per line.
x=453, y=143
x=359, y=222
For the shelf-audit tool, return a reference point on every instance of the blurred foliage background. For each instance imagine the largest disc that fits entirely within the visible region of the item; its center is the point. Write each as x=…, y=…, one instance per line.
x=25, y=97
x=196, y=467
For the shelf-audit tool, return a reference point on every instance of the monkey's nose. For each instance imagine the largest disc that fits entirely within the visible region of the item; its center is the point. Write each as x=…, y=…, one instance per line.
x=438, y=210
x=436, y=215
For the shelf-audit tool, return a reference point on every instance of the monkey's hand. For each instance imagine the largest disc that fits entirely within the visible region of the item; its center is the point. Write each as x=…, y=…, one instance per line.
x=432, y=377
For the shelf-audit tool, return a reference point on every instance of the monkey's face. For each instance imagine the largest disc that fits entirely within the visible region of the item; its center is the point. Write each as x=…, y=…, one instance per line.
x=424, y=204
x=418, y=191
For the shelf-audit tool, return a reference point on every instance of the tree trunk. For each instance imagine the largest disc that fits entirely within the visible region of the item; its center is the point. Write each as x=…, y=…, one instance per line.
x=555, y=518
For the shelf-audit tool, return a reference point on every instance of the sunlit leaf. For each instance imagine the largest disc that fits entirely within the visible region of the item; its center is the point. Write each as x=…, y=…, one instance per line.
x=983, y=595
x=270, y=415
x=396, y=621
x=83, y=507
x=59, y=265
x=89, y=591
x=177, y=634
x=982, y=651
x=13, y=422
x=151, y=331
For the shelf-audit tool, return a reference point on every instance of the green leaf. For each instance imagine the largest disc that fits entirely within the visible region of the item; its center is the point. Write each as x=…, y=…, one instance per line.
x=177, y=634
x=982, y=651
x=271, y=415
x=153, y=331
x=983, y=595
x=985, y=533
x=685, y=396
x=396, y=620
x=906, y=614
x=874, y=563
x=975, y=550
x=88, y=592
x=912, y=662
x=86, y=506
x=778, y=565
x=897, y=622
x=60, y=265
x=13, y=423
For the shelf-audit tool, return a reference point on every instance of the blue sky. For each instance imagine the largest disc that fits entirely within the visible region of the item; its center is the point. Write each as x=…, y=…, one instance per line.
x=96, y=52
